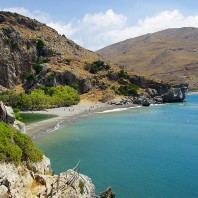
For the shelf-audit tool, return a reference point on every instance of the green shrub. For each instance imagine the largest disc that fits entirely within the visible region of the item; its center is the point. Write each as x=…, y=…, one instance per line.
x=29, y=151
x=14, y=44
x=39, y=46
x=128, y=90
x=30, y=76
x=16, y=147
x=123, y=74
x=68, y=61
x=94, y=68
x=37, y=67
x=97, y=66
x=81, y=186
x=75, y=86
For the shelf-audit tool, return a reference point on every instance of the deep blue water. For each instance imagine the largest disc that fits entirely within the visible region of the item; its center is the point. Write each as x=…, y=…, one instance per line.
x=147, y=152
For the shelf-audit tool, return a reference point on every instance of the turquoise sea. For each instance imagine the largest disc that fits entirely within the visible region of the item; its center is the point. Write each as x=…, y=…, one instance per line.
x=147, y=152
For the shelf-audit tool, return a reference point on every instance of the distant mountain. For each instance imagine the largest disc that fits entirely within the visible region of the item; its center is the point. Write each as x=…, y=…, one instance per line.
x=170, y=55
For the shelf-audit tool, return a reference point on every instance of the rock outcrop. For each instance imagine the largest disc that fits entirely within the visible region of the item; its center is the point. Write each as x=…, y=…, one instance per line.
x=7, y=116
x=178, y=94
x=32, y=181
x=107, y=193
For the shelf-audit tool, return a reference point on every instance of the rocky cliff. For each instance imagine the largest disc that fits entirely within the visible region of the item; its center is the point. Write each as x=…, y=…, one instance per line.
x=32, y=180
x=26, y=44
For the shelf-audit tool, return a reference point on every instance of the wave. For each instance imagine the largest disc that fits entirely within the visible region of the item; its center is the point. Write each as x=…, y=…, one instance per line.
x=57, y=126
x=118, y=110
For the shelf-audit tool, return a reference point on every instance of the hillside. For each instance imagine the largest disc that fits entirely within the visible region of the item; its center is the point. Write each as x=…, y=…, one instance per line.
x=169, y=55
x=35, y=56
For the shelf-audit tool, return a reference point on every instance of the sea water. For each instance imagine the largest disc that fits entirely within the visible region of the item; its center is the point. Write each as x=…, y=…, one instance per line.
x=147, y=152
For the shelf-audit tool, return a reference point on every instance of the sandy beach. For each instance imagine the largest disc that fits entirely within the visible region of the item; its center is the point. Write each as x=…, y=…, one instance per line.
x=71, y=113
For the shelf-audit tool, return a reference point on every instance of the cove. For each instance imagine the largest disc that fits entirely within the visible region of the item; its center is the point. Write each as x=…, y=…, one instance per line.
x=140, y=152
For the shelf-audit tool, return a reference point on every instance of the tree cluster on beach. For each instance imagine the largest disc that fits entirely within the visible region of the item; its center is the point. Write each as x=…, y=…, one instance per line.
x=45, y=97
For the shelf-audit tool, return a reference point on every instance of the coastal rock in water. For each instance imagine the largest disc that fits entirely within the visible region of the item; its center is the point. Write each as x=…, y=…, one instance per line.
x=145, y=102
x=107, y=193
x=178, y=94
x=158, y=99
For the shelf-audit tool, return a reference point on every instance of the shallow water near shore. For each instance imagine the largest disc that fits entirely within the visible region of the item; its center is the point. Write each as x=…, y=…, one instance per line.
x=139, y=152
x=29, y=118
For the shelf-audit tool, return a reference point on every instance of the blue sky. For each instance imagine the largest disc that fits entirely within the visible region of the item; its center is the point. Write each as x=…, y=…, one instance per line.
x=95, y=24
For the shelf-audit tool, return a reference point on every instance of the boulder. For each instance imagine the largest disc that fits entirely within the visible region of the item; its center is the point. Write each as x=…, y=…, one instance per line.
x=178, y=94
x=151, y=92
x=42, y=167
x=6, y=114
x=145, y=102
x=107, y=193
x=137, y=101
x=158, y=100
x=19, y=126
x=139, y=80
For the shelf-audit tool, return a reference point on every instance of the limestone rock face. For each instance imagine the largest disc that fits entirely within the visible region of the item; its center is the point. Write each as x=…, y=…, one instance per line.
x=6, y=114
x=178, y=94
x=107, y=193
x=19, y=126
x=153, y=87
x=19, y=55
x=42, y=167
x=21, y=182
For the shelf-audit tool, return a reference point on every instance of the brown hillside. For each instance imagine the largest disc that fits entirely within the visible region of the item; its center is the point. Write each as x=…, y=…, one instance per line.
x=33, y=55
x=66, y=60
x=170, y=55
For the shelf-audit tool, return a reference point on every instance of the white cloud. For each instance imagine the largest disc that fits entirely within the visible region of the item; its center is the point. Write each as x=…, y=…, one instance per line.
x=62, y=28
x=102, y=29
x=98, y=30
x=107, y=19
x=111, y=33
x=36, y=14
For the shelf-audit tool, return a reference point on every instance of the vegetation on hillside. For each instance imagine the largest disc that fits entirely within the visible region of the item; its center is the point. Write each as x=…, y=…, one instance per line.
x=96, y=66
x=38, y=99
x=128, y=90
x=16, y=147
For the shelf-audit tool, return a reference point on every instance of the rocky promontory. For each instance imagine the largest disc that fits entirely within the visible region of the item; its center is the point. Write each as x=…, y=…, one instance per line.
x=30, y=179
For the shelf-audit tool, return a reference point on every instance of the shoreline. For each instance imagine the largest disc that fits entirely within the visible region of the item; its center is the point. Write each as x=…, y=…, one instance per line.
x=67, y=114
x=84, y=108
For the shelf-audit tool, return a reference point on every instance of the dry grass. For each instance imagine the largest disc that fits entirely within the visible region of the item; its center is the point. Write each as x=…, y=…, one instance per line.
x=166, y=52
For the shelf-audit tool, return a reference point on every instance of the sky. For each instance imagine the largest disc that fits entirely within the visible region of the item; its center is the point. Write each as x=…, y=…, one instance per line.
x=96, y=24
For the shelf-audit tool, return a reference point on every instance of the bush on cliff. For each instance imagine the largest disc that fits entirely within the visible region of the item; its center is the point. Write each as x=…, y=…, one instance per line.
x=128, y=90
x=16, y=147
x=96, y=66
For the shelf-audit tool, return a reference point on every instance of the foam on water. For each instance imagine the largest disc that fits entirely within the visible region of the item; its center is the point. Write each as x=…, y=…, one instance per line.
x=117, y=110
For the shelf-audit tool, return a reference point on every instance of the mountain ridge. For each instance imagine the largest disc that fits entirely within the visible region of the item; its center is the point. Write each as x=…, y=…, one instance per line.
x=169, y=55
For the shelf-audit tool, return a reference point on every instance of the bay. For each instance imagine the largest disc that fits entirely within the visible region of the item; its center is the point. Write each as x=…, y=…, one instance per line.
x=140, y=152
